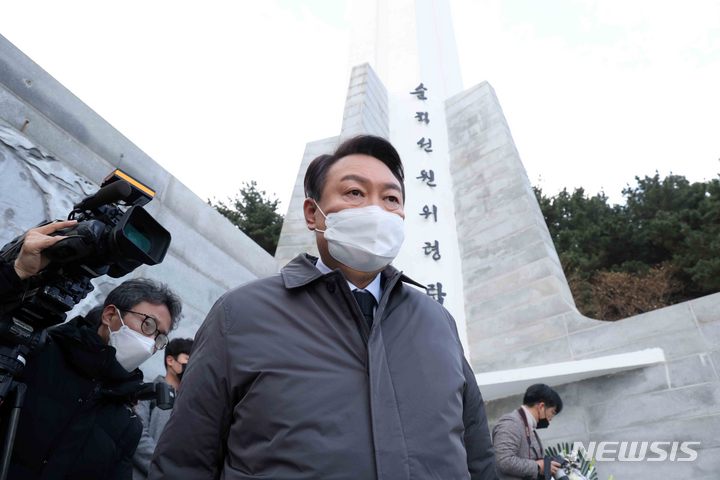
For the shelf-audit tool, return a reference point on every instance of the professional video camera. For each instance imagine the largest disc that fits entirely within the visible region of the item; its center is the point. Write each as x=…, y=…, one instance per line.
x=161, y=393
x=575, y=463
x=571, y=467
x=113, y=236
x=107, y=240
x=567, y=470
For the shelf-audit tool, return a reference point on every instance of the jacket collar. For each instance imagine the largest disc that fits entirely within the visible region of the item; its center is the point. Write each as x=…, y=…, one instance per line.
x=301, y=271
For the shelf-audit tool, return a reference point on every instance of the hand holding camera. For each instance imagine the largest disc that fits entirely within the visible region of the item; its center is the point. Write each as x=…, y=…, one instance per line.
x=30, y=260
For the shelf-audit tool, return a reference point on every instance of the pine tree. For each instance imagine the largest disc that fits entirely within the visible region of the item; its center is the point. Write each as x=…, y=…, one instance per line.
x=255, y=214
x=661, y=247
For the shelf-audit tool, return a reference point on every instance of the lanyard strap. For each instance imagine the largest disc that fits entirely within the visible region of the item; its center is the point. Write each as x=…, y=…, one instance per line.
x=527, y=434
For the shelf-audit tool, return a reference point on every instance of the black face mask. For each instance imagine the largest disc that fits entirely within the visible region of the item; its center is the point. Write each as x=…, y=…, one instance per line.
x=543, y=422
x=182, y=370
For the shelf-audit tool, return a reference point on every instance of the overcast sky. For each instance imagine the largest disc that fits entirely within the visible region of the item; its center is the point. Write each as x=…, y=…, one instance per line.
x=221, y=92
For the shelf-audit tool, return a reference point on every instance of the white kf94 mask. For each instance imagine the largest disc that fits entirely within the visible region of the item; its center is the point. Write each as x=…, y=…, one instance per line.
x=366, y=239
x=131, y=348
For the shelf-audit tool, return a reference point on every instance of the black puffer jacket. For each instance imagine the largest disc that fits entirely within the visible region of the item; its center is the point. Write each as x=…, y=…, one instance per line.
x=9, y=280
x=77, y=422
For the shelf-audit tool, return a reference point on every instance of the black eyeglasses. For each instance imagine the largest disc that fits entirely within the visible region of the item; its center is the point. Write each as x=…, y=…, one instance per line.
x=149, y=326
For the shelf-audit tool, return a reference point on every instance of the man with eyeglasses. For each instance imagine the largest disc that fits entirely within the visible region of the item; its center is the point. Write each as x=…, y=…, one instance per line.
x=77, y=420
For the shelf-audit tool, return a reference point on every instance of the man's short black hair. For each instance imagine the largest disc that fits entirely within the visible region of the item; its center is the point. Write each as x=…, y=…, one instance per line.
x=177, y=346
x=371, y=145
x=137, y=290
x=542, y=393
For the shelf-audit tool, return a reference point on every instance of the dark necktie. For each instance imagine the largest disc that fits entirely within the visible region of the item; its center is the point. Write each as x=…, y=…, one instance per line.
x=366, y=301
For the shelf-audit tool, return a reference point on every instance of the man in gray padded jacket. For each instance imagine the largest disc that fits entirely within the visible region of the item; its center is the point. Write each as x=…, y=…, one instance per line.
x=340, y=367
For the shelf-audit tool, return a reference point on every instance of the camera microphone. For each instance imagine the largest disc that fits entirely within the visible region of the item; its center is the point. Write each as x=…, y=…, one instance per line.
x=111, y=193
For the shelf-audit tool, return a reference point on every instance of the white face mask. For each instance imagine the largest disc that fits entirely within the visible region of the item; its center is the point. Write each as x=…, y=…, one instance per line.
x=366, y=239
x=131, y=348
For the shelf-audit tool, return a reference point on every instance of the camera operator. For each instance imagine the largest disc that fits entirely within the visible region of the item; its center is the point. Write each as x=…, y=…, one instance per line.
x=154, y=419
x=518, y=449
x=77, y=420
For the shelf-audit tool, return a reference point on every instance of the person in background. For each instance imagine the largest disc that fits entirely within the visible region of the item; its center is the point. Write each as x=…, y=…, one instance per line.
x=177, y=354
x=518, y=449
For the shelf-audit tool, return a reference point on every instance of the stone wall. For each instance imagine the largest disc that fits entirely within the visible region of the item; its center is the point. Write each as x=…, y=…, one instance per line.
x=54, y=150
x=515, y=290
